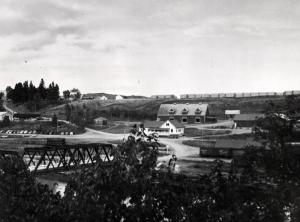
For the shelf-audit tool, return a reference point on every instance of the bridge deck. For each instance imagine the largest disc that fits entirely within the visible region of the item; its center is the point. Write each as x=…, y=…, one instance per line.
x=41, y=158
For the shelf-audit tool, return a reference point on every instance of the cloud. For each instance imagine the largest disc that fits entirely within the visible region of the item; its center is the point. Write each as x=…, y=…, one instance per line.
x=77, y=41
x=37, y=23
x=241, y=25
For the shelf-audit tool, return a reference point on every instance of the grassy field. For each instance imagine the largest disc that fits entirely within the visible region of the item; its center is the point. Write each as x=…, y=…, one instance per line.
x=193, y=132
x=118, y=129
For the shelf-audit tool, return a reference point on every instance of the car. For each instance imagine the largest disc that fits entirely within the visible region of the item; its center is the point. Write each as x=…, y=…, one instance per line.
x=174, y=136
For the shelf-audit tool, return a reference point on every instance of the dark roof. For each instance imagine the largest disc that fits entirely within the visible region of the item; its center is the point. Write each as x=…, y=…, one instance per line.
x=177, y=109
x=177, y=124
x=153, y=124
x=248, y=117
x=236, y=144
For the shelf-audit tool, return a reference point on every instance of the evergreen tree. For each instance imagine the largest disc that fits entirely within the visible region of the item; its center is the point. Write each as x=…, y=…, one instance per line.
x=1, y=95
x=54, y=120
x=25, y=91
x=18, y=95
x=56, y=92
x=42, y=90
x=68, y=111
x=9, y=92
x=32, y=91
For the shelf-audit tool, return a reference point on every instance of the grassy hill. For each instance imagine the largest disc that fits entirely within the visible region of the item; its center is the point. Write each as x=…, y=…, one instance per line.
x=140, y=109
x=129, y=109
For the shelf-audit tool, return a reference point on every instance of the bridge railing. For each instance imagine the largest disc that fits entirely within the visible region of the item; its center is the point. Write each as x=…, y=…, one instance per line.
x=62, y=157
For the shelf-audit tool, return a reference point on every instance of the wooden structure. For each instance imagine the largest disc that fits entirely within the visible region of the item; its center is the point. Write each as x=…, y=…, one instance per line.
x=185, y=113
x=60, y=157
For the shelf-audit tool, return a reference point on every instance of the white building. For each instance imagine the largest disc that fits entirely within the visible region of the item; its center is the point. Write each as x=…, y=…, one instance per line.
x=118, y=97
x=231, y=113
x=101, y=98
x=3, y=114
x=164, y=128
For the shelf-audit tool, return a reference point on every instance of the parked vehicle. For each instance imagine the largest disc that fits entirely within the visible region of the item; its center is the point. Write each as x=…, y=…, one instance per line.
x=174, y=136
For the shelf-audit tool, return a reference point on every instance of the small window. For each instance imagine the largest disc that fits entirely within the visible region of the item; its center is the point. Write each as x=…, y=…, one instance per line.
x=167, y=124
x=171, y=118
x=184, y=119
x=171, y=130
x=185, y=111
x=198, y=111
x=198, y=120
x=171, y=111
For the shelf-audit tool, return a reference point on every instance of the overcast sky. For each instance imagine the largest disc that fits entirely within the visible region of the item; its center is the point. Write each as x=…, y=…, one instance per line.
x=152, y=46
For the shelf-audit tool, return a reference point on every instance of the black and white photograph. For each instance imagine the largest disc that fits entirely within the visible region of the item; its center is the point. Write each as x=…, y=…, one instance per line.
x=150, y=111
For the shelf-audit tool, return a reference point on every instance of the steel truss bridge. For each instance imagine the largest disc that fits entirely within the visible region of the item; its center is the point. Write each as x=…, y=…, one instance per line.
x=43, y=159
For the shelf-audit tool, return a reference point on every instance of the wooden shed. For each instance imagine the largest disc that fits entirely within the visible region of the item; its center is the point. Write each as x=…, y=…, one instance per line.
x=101, y=121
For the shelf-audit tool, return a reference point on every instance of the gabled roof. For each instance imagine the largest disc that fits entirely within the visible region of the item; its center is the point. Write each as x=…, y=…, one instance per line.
x=178, y=108
x=158, y=124
x=248, y=117
x=153, y=124
x=177, y=124
x=100, y=119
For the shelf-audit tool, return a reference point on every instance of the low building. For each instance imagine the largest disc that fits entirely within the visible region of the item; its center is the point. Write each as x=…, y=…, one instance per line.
x=118, y=97
x=183, y=113
x=2, y=115
x=227, y=148
x=84, y=97
x=246, y=120
x=101, y=98
x=101, y=121
x=164, y=97
x=229, y=114
x=164, y=128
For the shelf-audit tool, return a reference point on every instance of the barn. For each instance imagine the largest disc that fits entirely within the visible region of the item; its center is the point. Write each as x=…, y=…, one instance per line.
x=183, y=113
x=246, y=120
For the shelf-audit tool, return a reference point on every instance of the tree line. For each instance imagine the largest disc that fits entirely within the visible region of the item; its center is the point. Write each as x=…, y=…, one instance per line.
x=83, y=115
x=28, y=92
